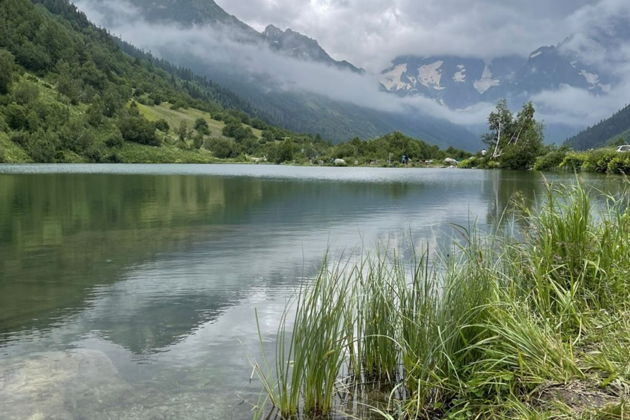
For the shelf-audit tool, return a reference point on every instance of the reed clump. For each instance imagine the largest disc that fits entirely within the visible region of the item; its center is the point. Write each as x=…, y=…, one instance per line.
x=534, y=325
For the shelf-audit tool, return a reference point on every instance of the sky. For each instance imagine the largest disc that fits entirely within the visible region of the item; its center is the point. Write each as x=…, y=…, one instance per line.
x=369, y=33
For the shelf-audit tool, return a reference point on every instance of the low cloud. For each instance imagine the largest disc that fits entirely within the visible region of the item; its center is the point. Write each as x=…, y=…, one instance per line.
x=483, y=31
x=217, y=47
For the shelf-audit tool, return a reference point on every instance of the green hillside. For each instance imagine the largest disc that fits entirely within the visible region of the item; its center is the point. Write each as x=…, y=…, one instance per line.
x=69, y=92
x=604, y=132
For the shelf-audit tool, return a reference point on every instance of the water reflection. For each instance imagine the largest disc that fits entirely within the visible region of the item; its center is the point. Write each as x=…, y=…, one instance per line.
x=161, y=268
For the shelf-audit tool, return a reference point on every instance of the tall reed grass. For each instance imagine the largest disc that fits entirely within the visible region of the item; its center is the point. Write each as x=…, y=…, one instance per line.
x=478, y=334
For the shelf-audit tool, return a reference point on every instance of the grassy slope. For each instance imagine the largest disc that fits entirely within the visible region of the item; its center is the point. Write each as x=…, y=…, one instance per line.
x=189, y=115
x=138, y=153
x=11, y=152
x=131, y=152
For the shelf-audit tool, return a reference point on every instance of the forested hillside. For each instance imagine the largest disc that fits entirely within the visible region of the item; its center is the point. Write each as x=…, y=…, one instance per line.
x=603, y=133
x=70, y=92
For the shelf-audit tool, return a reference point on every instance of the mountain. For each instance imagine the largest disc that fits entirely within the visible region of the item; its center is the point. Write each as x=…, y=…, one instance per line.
x=189, y=13
x=279, y=102
x=460, y=82
x=296, y=45
x=602, y=133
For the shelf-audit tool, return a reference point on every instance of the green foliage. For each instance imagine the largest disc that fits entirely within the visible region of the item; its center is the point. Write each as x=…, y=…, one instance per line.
x=237, y=131
x=162, y=125
x=282, y=152
x=574, y=161
x=115, y=140
x=223, y=148
x=476, y=334
x=7, y=67
x=201, y=125
x=619, y=164
x=550, y=161
x=137, y=129
x=600, y=161
x=515, y=142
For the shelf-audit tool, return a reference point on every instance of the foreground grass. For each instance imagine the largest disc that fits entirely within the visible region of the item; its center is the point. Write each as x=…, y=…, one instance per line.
x=534, y=327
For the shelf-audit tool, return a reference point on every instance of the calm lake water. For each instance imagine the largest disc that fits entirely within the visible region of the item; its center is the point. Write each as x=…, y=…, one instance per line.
x=129, y=291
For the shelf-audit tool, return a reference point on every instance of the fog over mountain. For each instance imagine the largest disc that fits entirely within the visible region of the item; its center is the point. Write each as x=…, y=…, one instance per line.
x=443, y=59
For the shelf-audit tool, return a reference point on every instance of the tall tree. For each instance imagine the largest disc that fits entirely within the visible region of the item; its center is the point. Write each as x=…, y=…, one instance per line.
x=514, y=142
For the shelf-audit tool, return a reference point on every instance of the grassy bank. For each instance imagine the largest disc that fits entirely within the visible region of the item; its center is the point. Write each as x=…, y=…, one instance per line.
x=604, y=161
x=535, y=325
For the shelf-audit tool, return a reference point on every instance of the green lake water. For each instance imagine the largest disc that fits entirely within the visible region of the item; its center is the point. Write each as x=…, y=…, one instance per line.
x=129, y=291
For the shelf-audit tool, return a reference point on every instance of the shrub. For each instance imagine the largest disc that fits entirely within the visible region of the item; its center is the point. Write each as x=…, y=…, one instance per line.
x=16, y=117
x=469, y=163
x=114, y=141
x=597, y=160
x=201, y=126
x=620, y=164
x=223, y=148
x=4, y=127
x=138, y=130
x=162, y=125
x=7, y=67
x=551, y=160
x=573, y=161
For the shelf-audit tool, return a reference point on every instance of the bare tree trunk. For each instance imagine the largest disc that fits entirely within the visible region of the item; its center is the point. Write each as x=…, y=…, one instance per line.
x=496, y=153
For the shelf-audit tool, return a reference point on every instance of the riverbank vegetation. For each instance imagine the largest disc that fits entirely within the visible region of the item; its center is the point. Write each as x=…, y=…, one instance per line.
x=535, y=324
x=516, y=142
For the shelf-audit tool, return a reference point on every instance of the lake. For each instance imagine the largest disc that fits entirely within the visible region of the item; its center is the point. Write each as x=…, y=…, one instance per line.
x=130, y=291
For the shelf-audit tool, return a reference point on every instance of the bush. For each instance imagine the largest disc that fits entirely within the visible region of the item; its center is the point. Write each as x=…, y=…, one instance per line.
x=25, y=93
x=237, y=131
x=619, y=164
x=138, y=130
x=573, y=161
x=4, y=127
x=201, y=126
x=7, y=67
x=282, y=152
x=469, y=163
x=223, y=148
x=162, y=125
x=597, y=160
x=16, y=117
x=198, y=141
x=115, y=141
x=41, y=145
x=551, y=160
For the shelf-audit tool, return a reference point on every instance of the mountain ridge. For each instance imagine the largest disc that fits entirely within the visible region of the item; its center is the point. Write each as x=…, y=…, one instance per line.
x=460, y=82
x=600, y=134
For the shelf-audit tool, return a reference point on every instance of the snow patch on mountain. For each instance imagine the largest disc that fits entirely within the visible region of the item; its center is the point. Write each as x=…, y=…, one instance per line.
x=591, y=78
x=392, y=80
x=430, y=75
x=486, y=82
x=460, y=74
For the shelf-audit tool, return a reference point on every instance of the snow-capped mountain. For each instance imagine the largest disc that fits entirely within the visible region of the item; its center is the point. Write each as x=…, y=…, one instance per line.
x=461, y=82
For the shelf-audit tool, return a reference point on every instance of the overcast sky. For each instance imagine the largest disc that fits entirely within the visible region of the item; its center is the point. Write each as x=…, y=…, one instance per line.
x=371, y=32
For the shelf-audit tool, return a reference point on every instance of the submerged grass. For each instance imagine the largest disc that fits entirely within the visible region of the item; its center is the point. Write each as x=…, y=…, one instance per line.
x=535, y=325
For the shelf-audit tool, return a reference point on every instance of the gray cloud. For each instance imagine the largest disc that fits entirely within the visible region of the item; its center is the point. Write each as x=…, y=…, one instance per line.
x=371, y=32
x=215, y=46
